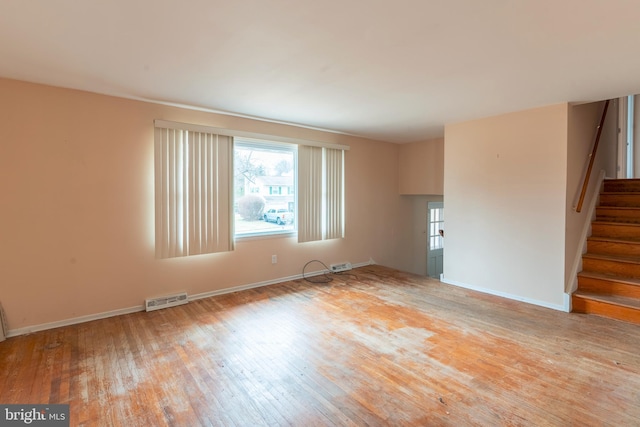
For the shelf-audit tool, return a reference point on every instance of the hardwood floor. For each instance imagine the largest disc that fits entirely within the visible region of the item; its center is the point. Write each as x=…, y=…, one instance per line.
x=376, y=347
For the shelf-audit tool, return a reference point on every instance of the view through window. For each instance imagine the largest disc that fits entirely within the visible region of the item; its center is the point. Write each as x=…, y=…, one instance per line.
x=436, y=222
x=264, y=187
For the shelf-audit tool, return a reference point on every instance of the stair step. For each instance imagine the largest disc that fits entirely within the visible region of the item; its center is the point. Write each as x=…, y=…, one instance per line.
x=613, y=246
x=622, y=199
x=611, y=306
x=626, y=266
x=615, y=229
x=621, y=185
x=608, y=284
x=618, y=214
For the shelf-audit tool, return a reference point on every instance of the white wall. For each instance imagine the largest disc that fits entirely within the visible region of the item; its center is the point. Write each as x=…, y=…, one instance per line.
x=505, y=188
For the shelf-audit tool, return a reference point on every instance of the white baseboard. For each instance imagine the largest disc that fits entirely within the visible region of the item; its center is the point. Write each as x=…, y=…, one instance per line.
x=267, y=282
x=73, y=321
x=559, y=307
x=121, y=311
x=567, y=303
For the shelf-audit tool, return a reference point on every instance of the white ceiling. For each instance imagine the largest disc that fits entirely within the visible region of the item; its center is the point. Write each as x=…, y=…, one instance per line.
x=392, y=70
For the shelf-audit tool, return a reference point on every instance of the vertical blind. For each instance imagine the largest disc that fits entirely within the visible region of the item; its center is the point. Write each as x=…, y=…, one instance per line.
x=321, y=193
x=194, y=189
x=193, y=184
x=334, y=184
x=309, y=193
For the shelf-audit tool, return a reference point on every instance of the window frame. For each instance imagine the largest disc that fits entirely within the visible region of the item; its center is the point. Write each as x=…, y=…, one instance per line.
x=268, y=139
x=274, y=146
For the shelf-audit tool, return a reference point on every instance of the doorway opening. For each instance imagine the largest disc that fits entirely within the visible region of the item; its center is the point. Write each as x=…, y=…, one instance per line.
x=628, y=137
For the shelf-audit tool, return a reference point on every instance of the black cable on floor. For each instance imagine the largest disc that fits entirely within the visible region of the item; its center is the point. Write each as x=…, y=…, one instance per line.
x=325, y=278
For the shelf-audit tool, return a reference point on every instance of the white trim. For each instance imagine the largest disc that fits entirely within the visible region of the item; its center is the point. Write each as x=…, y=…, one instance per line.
x=559, y=307
x=267, y=282
x=73, y=321
x=567, y=303
x=586, y=228
x=630, y=136
x=224, y=112
x=113, y=313
x=261, y=144
x=265, y=235
x=165, y=124
x=621, y=173
x=232, y=114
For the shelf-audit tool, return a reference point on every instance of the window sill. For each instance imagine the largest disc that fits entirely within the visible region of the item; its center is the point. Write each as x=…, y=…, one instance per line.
x=262, y=236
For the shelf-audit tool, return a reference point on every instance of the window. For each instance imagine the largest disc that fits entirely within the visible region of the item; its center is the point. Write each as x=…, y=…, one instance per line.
x=436, y=225
x=267, y=168
x=213, y=185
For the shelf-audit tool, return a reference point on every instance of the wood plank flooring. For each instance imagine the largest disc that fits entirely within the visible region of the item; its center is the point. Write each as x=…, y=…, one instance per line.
x=375, y=347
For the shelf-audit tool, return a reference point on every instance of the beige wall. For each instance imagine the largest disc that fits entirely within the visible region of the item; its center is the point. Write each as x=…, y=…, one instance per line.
x=505, y=200
x=76, y=224
x=422, y=168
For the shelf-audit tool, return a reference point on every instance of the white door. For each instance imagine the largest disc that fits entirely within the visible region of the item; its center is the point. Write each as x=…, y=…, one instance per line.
x=435, y=241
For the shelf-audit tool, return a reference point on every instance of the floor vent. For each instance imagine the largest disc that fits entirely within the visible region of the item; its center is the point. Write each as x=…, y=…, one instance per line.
x=337, y=268
x=167, y=301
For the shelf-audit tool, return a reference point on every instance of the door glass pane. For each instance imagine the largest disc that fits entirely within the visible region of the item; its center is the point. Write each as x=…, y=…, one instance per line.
x=436, y=224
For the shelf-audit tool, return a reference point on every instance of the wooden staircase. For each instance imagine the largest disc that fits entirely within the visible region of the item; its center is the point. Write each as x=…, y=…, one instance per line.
x=609, y=284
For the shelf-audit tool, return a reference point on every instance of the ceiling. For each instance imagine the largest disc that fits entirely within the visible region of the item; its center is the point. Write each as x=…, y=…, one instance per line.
x=395, y=71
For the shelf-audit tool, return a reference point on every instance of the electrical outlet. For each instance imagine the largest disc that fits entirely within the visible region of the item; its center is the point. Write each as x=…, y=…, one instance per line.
x=274, y=259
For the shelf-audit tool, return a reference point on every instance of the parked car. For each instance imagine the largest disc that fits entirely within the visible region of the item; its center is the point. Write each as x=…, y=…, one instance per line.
x=279, y=216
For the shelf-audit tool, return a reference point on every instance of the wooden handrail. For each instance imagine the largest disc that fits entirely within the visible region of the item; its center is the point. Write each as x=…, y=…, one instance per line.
x=592, y=157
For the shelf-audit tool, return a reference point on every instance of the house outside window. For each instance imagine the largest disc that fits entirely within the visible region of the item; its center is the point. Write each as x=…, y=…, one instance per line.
x=264, y=187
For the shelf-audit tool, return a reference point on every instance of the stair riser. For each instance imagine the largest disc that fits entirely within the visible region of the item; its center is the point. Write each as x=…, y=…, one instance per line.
x=610, y=287
x=626, y=200
x=612, y=214
x=615, y=230
x=612, y=267
x=613, y=248
x=607, y=296
x=612, y=311
x=621, y=186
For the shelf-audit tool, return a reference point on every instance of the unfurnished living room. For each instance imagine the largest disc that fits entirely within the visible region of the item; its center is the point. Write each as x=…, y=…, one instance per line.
x=413, y=213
